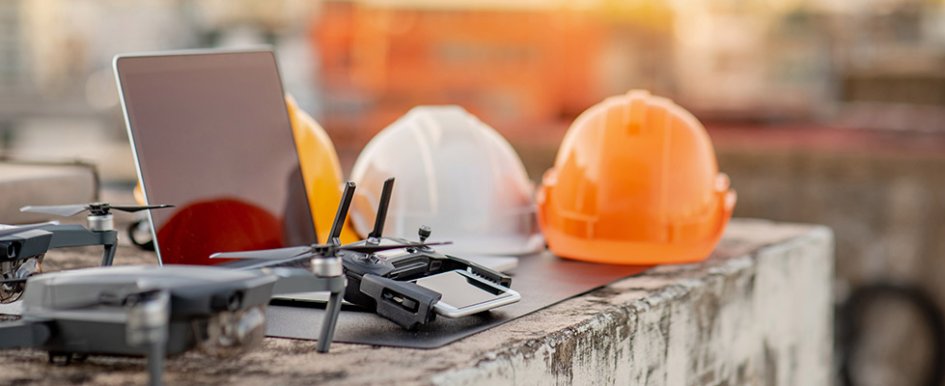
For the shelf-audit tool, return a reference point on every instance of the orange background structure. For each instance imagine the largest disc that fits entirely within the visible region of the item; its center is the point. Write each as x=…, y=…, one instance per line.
x=518, y=67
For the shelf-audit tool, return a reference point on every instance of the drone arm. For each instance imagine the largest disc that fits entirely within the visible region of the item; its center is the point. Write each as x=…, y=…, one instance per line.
x=21, y=334
x=74, y=235
x=297, y=280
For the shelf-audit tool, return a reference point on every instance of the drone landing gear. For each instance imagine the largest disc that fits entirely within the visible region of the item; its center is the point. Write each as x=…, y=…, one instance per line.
x=293, y=280
x=332, y=309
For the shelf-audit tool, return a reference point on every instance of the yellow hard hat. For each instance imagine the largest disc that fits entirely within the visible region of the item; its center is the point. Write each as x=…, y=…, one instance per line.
x=321, y=172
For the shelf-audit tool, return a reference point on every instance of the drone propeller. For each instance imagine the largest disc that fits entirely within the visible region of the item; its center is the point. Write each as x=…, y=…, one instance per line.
x=315, y=250
x=96, y=209
x=138, y=208
x=279, y=253
x=13, y=281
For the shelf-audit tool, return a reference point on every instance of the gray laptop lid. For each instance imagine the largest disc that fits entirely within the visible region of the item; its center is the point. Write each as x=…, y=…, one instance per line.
x=211, y=135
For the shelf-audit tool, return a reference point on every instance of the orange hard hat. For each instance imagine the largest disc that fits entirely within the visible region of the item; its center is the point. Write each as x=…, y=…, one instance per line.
x=635, y=182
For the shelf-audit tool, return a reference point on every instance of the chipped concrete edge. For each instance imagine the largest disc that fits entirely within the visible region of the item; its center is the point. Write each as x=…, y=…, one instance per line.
x=760, y=318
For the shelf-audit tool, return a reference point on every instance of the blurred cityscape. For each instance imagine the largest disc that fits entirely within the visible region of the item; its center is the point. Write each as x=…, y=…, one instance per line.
x=524, y=66
x=828, y=112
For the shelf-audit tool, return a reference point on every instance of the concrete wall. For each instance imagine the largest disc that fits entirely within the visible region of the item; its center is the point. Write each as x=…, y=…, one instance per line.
x=758, y=319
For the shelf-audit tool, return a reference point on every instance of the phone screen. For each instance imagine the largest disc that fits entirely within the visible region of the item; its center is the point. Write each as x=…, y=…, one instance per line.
x=461, y=291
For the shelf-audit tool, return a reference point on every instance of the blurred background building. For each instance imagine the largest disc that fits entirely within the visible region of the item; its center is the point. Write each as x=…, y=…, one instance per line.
x=822, y=111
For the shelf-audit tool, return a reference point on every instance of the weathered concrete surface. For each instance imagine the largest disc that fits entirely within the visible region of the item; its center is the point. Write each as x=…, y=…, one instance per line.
x=758, y=312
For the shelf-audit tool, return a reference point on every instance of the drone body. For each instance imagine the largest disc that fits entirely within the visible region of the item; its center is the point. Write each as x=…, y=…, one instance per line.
x=25, y=244
x=141, y=310
x=87, y=311
x=156, y=311
x=75, y=235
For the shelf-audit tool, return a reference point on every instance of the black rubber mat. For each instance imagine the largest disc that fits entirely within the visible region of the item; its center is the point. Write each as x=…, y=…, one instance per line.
x=542, y=279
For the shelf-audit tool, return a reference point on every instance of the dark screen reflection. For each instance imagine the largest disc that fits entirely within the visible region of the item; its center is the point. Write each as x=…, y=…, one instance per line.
x=298, y=225
x=212, y=137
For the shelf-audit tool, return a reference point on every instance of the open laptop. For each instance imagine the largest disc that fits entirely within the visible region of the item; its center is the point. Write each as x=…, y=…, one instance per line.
x=211, y=135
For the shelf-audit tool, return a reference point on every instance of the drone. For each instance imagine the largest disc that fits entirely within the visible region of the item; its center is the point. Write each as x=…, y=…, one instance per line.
x=393, y=276
x=22, y=248
x=158, y=311
x=138, y=310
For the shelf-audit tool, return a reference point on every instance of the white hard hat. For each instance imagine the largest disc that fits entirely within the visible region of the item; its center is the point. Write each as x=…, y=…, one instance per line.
x=454, y=174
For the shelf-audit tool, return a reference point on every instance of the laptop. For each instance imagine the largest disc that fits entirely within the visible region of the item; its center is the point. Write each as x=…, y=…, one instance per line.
x=211, y=135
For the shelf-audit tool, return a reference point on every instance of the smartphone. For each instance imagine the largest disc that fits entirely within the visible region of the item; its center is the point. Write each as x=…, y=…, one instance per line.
x=466, y=294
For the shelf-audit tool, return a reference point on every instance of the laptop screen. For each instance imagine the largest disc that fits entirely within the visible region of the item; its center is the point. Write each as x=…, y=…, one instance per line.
x=211, y=135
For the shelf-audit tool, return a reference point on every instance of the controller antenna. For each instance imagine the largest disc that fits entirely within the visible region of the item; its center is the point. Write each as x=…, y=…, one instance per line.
x=375, y=235
x=334, y=236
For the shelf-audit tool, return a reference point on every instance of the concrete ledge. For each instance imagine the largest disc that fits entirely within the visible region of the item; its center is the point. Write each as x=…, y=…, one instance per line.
x=758, y=312
x=763, y=317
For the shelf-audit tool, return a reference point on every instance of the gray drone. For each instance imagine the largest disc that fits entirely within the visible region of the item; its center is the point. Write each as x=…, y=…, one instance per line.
x=158, y=311
x=22, y=248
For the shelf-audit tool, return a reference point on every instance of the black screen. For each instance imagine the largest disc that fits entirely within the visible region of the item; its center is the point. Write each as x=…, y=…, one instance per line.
x=212, y=136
